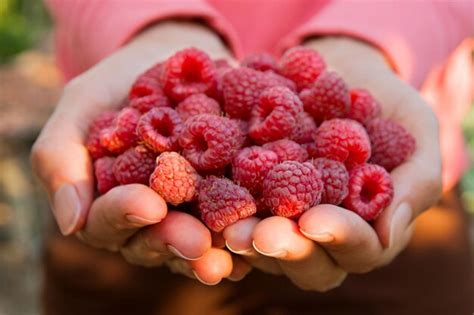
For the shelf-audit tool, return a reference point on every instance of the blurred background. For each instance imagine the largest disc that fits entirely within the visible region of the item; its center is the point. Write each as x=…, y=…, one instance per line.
x=29, y=88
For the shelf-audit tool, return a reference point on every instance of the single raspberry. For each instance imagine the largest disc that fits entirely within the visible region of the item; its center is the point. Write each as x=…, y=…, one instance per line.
x=343, y=140
x=370, y=191
x=189, y=71
x=134, y=166
x=275, y=79
x=291, y=188
x=210, y=142
x=287, y=150
x=160, y=128
x=326, y=98
x=222, y=203
x=251, y=165
x=335, y=180
x=121, y=135
x=146, y=92
x=302, y=65
x=391, y=143
x=260, y=62
x=304, y=130
x=197, y=104
x=95, y=148
x=363, y=106
x=104, y=175
x=174, y=179
x=274, y=116
x=146, y=102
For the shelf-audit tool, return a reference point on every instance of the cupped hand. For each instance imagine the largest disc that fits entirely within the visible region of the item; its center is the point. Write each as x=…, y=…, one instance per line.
x=328, y=242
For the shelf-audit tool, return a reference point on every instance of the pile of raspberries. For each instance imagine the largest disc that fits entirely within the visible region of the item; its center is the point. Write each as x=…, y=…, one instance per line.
x=265, y=138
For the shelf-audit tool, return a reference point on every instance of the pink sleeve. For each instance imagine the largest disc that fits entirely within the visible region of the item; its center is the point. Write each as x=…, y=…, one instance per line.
x=87, y=31
x=415, y=35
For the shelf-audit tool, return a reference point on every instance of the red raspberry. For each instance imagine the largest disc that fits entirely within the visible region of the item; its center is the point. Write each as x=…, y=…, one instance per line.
x=335, y=180
x=95, y=148
x=370, y=191
x=274, y=116
x=260, y=62
x=222, y=203
x=251, y=165
x=134, y=166
x=391, y=143
x=311, y=149
x=287, y=150
x=210, y=142
x=146, y=92
x=104, y=175
x=189, y=71
x=174, y=179
x=343, y=140
x=326, y=98
x=275, y=79
x=304, y=130
x=291, y=188
x=302, y=65
x=197, y=104
x=363, y=106
x=121, y=135
x=159, y=129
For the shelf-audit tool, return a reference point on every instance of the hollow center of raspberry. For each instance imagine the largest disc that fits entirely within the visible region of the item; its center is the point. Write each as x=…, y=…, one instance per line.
x=141, y=91
x=265, y=110
x=200, y=144
x=164, y=126
x=368, y=192
x=191, y=71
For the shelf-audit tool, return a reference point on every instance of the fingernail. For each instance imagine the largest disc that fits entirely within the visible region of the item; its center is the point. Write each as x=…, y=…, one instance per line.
x=236, y=279
x=321, y=237
x=243, y=252
x=204, y=282
x=277, y=254
x=66, y=208
x=177, y=253
x=139, y=221
x=400, y=221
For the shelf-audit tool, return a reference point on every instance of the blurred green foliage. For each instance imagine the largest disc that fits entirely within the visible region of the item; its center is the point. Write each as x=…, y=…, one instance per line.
x=468, y=179
x=22, y=24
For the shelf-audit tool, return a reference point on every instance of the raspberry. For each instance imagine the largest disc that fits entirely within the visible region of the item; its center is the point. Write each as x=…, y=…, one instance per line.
x=275, y=79
x=363, y=106
x=174, y=179
x=311, y=149
x=335, y=180
x=291, y=188
x=370, y=191
x=121, y=135
x=222, y=63
x=146, y=92
x=260, y=62
x=104, y=175
x=189, y=71
x=134, y=166
x=274, y=117
x=159, y=129
x=210, y=142
x=304, y=130
x=197, y=104
x=302, y=65
x=343, y=140
x=326, y=98
x=95, y=148
x=251, y=165
x=287, y=150
x=391, y=143
x=222, y=203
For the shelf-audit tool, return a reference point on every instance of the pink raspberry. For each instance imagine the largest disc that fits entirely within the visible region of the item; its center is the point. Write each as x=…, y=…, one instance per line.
x=287, y=150
x=104, y=175
x=302, y=65
x=274, y=116
x=121, y=135
x=160, y=128
x=134, y=166
x=326, y=98
x=363, y=106
x=197, y=104
x=304, y=130
x=291, y=188
x=343, y=140
x=260, y=62
x=189, y=71
x=335, y=180
x=275, y=79
x=370, y=191
x=146, y=92
x=174, y=179
x=95, y=148
x=251, y=165
x=391, y=143
x=222, y=203
x=210, y=142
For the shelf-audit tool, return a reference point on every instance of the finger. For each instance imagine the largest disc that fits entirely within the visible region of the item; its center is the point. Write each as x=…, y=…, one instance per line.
x=304, y=262
x=215, y=265
x=240, y=268
x=118, y=214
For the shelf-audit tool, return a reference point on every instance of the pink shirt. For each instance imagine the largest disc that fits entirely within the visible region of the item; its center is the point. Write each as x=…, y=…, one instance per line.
x=422, y=39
